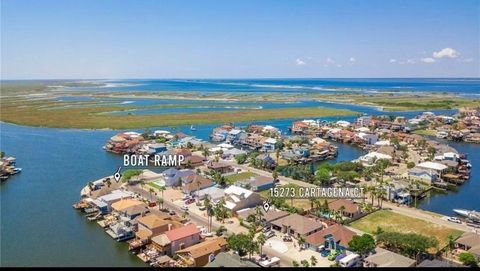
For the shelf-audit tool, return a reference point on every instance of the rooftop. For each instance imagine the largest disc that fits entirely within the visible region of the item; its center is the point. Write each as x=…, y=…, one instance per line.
x=340, y=234
x=298, y=223
x=386, y=258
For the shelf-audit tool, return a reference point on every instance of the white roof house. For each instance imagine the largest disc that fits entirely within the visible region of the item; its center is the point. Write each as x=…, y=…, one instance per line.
x=433, y=166
x=225, y=146
x=383, y=143
x=271, y=141
x=237, y=198
x=161, y=132
x=371, y=157
x=235, y=132
x=343, y=123
x=362, y=129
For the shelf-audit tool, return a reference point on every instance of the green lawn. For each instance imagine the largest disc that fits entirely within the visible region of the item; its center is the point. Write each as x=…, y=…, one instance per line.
x=425, y=132
x=231, y=179
x=390, y=221
x=154, y=185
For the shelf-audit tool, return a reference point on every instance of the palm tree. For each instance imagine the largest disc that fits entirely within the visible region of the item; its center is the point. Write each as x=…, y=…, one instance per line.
x=161, y=189
x=277, y=153
x=261, y=239
x=258, y=214
x=160, y=202
x=301, y=241
x=205, y=153
x=198, y=183
x=313, y=260
x=208, y=206
x=151, y=191
x=340, y=212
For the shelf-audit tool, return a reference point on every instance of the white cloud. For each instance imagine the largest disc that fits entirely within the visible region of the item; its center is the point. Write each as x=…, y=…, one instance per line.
x=446, y=52
x=392, y=60
x=299, y=61
x=339, y=66
x=330, y=61
x=427, y=60
x=352, y=59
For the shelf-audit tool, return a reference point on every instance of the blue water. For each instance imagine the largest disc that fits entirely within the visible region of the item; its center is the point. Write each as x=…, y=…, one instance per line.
x=40, y=228
x=462, y=86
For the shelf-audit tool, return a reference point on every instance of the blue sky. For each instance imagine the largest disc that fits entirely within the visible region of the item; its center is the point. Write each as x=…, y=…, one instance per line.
x=239, y=39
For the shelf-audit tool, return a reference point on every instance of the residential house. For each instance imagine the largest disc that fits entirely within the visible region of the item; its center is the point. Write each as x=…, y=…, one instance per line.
x=237, y=198
x=350, y=208
x=371, y=158
x=422, y=175
x=299, y=127
x=266, y=217
x=257, y=183
x=172, y=176
x=269, y=144
x=130, y=208
x=202, y=253
x=193, y=161
x=297, y=225
x=193, y=183
x=219, y=167
x=386, y=258
x=171, y=241
x=470, y=242
x=224, y=259
x=334, y=237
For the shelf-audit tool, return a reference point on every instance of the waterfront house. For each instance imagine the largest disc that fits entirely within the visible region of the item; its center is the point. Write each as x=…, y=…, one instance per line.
x=224, y=259
x=267, y=160
x=237, y=198
x=364, y=121
x=398, y=192
x=470, y=242
x=269, y=144
x=366, y=138
x=422, y=175
x=348, y=208
x=193, y=183
x=114, y=196
x=148, y=226
x=386, y=258
x=234, y=136
x=435, y=263
x=171, y=241
x=156, y=148
x=130, y=208
x=335, y=236
x=299, y=127
x=297, y=225
x=370, y=158
x=172, y=176
x=202, y=253
x=266, y=217
x=433, y=167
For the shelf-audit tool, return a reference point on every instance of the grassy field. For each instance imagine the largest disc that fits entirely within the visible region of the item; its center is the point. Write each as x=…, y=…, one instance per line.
x=34, y=113
x=425, y=132
x=390, y=221
x=240, y=176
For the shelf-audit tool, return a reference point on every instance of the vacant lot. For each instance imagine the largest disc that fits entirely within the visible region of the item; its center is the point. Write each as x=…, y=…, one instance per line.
x=390, y=221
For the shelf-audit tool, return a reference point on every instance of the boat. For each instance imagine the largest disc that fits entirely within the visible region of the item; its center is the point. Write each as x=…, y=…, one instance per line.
x=472, y=215
x=192, y=128
x=442, y=134
x=16, y=170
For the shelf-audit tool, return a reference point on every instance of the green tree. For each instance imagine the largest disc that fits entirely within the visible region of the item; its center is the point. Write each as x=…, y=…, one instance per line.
x=261, y=240
x=313, y=261
x=305, y=263
x=362, y=244
x=468, y=259
x=295, y=264
x=205, y=153
x=241, y=158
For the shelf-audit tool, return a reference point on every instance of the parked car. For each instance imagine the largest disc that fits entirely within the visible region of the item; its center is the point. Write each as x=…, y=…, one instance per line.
x=171, y=212
x=325, y=253
x=202, y=208
x=266, y=229
x=184, y=208
x=454, y=219
x=269, y=234
x=152, y=204
x=287, y=238
x=333, y=255
x=189, y=201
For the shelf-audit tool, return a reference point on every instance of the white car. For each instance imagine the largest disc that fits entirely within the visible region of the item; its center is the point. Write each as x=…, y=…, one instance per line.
x=184, y=208
x=454, y=219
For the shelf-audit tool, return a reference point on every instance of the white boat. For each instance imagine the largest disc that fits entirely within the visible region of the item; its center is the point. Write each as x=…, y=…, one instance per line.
x=193, y=128
x=442, y=134
x=473, y=215
x=16, y=170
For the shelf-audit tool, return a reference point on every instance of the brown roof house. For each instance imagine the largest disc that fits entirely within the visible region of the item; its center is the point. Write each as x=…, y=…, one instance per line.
x=347, y=207
x=469, y=241
x=148, y=226
x=333, y=237
x=219, y=167
x=297, y=225
x=195, y=182
x=202, y=253
x=386, y=258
